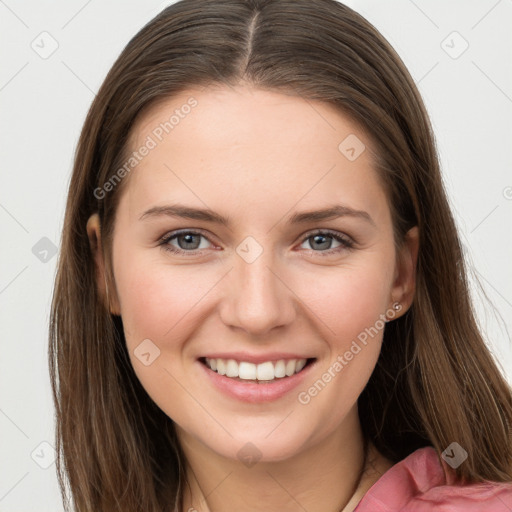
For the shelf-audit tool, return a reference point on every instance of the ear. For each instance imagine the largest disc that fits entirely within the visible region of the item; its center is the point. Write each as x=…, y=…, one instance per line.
x=404, y=283
x=94, y=234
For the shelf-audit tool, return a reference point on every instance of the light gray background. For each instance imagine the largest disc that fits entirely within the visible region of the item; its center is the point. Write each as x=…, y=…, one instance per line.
x=43, y=104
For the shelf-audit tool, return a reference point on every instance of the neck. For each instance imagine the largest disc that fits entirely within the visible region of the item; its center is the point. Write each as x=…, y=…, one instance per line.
x=329, y=476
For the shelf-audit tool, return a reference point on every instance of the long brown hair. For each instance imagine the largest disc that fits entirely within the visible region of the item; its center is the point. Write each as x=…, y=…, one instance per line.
x=435, y=381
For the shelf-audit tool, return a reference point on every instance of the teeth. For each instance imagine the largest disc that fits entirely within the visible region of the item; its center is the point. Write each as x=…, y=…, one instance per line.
x=300, y=364
x=265, y=371
x=249, y=371
x=231, y=368
x=221, y=367
x=280, y=369
x=246, y=371
x=290, y=367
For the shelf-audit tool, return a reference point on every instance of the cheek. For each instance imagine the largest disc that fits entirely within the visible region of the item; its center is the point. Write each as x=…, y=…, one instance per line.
x=351, y=305
x=156, y=300
x=160, y=303
x=348, y=300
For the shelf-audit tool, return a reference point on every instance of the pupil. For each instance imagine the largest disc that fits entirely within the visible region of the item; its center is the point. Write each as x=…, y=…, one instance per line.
x=188, y=240
x=325, y=243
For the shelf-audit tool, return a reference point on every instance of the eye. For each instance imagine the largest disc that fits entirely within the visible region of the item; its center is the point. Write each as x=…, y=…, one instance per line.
x=188, y=242
x=322, y=240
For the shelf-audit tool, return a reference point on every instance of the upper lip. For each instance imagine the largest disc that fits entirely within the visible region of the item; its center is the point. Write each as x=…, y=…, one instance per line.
x=255, y=358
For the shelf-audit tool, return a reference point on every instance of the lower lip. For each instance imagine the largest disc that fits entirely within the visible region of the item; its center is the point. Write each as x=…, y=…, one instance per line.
x=254, y=392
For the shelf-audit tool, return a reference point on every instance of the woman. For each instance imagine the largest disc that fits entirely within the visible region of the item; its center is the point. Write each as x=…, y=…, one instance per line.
x=261, y=300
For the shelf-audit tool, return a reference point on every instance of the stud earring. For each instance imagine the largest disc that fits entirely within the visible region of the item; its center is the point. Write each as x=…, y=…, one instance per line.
x=390, y=314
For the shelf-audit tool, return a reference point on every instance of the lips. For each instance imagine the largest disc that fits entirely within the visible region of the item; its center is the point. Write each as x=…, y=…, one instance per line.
x=254, y=390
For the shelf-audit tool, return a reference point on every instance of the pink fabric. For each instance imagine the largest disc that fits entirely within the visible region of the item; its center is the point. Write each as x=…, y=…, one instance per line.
x=418, y=484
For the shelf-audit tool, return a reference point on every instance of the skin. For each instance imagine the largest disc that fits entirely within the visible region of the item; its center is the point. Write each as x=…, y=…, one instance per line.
x=258, y=157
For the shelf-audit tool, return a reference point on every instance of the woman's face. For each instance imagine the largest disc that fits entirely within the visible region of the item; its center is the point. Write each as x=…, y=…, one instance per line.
x=260, y=288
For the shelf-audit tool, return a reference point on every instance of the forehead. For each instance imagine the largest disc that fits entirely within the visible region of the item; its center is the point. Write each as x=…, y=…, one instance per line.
x=244, y=116
x=245, y=146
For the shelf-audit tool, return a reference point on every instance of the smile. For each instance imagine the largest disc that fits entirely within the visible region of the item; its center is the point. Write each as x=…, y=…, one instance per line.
x=266, y=371
x=259, y=379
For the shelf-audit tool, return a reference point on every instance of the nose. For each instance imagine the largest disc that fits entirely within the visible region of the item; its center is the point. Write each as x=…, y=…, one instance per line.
x=257, y=297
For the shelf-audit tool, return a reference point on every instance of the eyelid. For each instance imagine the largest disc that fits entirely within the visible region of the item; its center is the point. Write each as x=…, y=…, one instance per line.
x=327, y=231
x=348, y=242
x=198, y=231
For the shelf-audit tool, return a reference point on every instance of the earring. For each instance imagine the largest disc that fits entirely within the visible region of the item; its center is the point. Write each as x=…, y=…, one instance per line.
x=390, y=314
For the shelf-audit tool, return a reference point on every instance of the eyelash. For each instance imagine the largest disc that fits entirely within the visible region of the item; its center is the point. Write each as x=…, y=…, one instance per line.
x=346, y=243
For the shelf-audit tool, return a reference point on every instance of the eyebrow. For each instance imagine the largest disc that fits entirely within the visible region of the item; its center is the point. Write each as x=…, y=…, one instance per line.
x=187, y=212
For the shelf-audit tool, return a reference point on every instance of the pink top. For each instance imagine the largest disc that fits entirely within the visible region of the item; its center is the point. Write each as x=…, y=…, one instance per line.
x=418, y=484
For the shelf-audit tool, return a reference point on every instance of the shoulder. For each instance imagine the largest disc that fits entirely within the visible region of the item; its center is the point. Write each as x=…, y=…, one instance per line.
x=418, y=484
